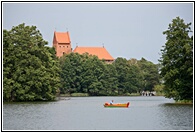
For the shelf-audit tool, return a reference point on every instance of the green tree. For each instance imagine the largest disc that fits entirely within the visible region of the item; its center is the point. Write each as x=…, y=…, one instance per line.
x=85, y=74
x=98, y=73
x=150, y=74
x=111, y=80
x=71, y=69
x=177, y=61
x=122, y=67
x=159, y=89
x=30, y=70
x=134, y=82
x=129, y=76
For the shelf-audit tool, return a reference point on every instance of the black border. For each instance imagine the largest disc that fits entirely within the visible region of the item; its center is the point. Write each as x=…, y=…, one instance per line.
x=102, y=1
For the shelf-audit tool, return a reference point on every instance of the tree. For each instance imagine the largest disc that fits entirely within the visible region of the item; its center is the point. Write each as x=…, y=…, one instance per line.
x=134, y=79
x=129, y=76
x=177, y=61
x=122, y=67
x=111, y=80
x=150, y=74
x=87, y=74
x=71, y=69
x=30, y=70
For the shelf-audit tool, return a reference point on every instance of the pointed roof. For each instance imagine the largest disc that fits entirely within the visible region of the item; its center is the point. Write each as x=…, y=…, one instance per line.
x=100, y=52
x=62, y=37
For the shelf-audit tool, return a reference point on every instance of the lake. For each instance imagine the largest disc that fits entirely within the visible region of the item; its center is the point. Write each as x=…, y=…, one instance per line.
x=88, y=113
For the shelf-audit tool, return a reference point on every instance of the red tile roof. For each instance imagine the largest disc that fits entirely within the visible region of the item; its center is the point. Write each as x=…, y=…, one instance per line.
x=62, y=37
x=100, y=52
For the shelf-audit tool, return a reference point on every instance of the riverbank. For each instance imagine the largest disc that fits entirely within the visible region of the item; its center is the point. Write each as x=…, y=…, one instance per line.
x=75, y=95
x=184, y=102
x=86, y=95
x=67, y=97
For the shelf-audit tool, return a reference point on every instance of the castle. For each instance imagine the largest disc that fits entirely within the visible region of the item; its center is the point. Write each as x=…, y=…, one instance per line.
x=62, y=45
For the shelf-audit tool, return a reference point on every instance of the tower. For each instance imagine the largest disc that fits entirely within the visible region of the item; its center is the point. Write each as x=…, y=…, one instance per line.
x=62, y=43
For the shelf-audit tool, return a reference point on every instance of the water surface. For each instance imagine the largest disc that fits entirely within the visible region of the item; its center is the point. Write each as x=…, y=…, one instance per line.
x=88, y=113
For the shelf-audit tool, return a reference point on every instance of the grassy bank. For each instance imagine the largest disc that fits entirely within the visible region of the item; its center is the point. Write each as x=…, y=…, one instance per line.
x=134, y=94
x=75, y=95
x=86, y=95
x=184, y=102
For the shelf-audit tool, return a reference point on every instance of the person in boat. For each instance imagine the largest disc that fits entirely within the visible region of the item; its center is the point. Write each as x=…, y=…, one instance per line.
x=111, y=102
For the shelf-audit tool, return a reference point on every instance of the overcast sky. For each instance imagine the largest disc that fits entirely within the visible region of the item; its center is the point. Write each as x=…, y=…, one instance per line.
x=128, y=30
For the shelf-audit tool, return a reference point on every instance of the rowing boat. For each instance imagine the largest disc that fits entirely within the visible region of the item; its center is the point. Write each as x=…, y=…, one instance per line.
x=123, y=105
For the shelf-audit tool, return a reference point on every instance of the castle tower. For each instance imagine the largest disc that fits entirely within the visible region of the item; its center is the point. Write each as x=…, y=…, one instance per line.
x=62, y=43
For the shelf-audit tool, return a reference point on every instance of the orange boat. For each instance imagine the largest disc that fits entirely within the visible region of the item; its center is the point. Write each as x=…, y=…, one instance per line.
x=123, y=105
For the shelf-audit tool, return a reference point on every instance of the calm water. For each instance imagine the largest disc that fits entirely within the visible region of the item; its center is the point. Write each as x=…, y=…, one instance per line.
x=88, y=113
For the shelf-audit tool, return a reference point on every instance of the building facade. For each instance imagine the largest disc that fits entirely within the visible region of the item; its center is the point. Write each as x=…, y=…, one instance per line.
x=62, y=45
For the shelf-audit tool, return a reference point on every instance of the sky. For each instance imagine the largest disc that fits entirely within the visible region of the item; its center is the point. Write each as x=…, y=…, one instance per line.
x=125, y=29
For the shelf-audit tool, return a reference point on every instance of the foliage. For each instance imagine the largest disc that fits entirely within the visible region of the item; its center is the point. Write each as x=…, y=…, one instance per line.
x=159, y=89
x=30, y=69
x=129, y=76
x=87, y=74
x=177, y=61
x=150, y=74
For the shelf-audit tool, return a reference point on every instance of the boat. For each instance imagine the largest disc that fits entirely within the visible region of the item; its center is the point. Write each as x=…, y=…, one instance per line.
x=123, y=105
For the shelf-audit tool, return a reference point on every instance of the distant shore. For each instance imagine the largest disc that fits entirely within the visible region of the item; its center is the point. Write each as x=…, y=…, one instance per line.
x=86, y=95
x=67, y=97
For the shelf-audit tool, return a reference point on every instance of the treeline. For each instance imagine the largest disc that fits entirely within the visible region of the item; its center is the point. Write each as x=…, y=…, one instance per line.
x=88, y=74
x=31, y=71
